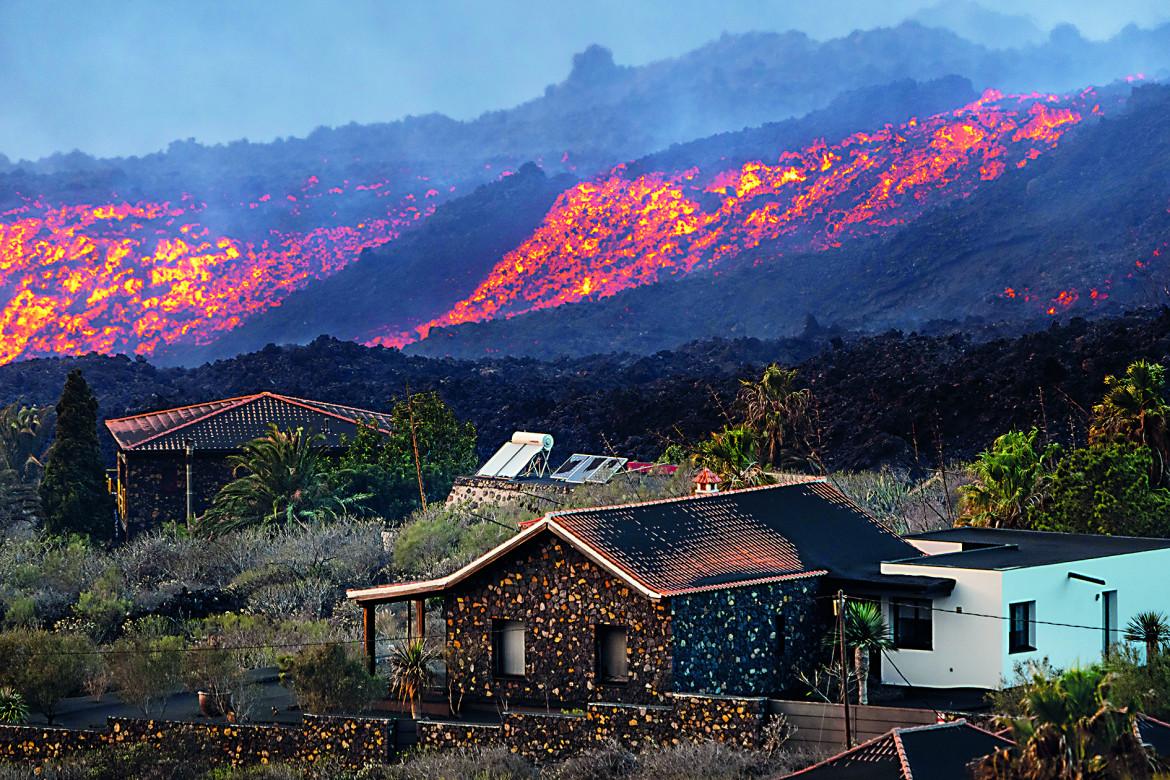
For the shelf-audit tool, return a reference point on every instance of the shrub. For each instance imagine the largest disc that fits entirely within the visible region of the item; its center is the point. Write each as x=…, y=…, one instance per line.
x=425, y=543
x=45, y=667
x=13, y=710
x=22, y=612
x=146, y=670
x=327, y=679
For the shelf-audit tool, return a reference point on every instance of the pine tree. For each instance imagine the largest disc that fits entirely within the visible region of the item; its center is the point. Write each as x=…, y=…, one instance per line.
x=74, y=495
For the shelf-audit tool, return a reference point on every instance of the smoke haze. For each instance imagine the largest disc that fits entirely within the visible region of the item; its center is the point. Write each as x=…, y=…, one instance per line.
x=129, y=78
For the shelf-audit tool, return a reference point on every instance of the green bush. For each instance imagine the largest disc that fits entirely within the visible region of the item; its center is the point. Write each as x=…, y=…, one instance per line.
x=1106, y=490
x=13, y=710
x=22, y=612
x=45, y=667
x=425, y=543
x=327, y=679
x=146, y=670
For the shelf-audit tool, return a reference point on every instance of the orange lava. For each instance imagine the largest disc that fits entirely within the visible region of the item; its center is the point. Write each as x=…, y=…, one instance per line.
x=131, y=277
x=616, y=232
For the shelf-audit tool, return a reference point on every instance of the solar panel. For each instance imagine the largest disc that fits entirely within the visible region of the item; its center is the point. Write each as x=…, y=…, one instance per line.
x=588, y=468
x=517, y=455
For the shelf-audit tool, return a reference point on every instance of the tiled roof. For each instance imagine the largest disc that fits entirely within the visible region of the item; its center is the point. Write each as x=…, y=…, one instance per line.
x=232, y=422
x=804, y=528
x=920, y=753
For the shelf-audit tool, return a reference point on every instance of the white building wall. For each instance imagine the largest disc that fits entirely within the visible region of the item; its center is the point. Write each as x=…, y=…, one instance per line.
x=967, y=649
x=1142, y=582
x=972, y=651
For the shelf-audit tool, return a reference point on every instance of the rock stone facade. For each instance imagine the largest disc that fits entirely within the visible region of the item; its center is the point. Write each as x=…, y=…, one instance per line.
x=474, y=492
x=745, y=641
x=550, y=736
x=562, y=598
x=352, y=742
x=153, y=486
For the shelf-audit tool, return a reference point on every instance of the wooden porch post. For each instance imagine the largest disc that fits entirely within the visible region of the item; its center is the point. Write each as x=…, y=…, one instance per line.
x=420, y=619
x=369, y=635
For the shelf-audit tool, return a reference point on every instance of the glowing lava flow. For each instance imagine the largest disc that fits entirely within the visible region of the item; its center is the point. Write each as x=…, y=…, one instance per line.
x=615, y=232
x=120, y=278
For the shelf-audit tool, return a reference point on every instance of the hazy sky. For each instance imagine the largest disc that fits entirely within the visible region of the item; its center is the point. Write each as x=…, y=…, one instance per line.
x=129, y=76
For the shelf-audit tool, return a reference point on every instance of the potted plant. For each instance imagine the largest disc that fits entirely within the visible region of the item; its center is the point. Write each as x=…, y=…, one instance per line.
x=210, y=672
x=410, y=672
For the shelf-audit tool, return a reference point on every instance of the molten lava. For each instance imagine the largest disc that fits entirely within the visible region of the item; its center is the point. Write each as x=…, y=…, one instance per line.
x=131, y=277
x=617, y=232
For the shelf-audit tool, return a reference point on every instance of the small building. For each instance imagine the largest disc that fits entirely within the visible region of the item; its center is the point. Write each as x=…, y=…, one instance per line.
x=940, y=752
x=1018, y=596
x=155, y=449
x=723, y=593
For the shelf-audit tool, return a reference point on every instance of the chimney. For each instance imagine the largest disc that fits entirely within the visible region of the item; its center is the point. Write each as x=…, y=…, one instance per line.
x=706, y=483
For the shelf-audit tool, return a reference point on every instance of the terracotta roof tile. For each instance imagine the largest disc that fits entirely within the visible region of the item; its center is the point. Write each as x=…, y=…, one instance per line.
x=230, y=423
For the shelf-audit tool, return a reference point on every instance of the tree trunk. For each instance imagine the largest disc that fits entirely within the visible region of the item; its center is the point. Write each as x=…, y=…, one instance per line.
x=1151, y=651
x=861, y=662
x=415, y=706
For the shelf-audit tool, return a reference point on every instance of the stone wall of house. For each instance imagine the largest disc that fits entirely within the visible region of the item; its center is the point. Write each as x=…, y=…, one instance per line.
x=726, y=641
x=156, y=486
x=562, y=597
x=353, y=742
x=549, y=736
x=474, y=492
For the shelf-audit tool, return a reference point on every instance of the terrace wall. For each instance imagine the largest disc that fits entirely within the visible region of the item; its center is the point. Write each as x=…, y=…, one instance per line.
x=352, y=741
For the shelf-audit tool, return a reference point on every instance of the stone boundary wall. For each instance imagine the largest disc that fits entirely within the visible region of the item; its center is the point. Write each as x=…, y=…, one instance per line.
x=474, y=492
x=549, y=736
x=353, y=741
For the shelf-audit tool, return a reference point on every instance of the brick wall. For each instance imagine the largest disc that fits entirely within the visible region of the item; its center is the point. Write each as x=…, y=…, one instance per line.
x=562, y=597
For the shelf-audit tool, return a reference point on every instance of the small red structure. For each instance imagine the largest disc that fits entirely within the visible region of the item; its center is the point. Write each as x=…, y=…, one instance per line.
x=706, y=482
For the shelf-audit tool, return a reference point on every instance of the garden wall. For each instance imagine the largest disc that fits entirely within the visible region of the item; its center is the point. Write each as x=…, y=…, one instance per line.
x=549, y=736
x=352, y=741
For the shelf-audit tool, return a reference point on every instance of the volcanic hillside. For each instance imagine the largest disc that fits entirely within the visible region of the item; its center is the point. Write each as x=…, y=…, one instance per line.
x=1083, y=228
x=177, y=248
x=877, y=396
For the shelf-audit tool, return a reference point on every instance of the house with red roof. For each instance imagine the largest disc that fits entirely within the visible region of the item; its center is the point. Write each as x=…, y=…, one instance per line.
x=157, y=451
x=717, y=594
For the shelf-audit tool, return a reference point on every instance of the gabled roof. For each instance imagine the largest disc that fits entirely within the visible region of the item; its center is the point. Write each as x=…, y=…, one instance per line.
x=939, y=752
x=230, y=423
x=804, y=528
x=999, y=549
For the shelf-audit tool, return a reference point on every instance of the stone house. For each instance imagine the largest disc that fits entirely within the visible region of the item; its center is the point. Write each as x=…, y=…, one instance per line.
x=718, y=594
x=156, y=449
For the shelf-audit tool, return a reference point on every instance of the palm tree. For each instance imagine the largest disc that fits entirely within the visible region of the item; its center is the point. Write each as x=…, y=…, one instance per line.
x=1070, y=730
x=780, y=414
x=284, y=481
x=1010, y=479
x=1149, y=628
x=1135, y=410
x=410, y=672
x=865, y=631
x=734, y=454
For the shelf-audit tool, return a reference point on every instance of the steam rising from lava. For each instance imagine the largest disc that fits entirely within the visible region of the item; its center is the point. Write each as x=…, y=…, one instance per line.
x=616, y=232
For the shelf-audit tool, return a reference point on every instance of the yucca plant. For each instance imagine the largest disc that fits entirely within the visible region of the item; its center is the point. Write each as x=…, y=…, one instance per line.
x=865, y=630
x=12, y=707
x=410, y=672
x=1149, y=628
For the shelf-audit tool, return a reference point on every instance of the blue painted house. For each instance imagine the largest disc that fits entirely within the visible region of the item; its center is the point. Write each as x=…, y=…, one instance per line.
x=719, y=594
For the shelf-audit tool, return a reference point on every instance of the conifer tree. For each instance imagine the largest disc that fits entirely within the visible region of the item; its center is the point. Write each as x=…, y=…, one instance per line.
x=74, y=496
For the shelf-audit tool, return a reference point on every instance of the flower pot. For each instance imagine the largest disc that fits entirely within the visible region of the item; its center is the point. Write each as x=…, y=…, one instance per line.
x=212, y=705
